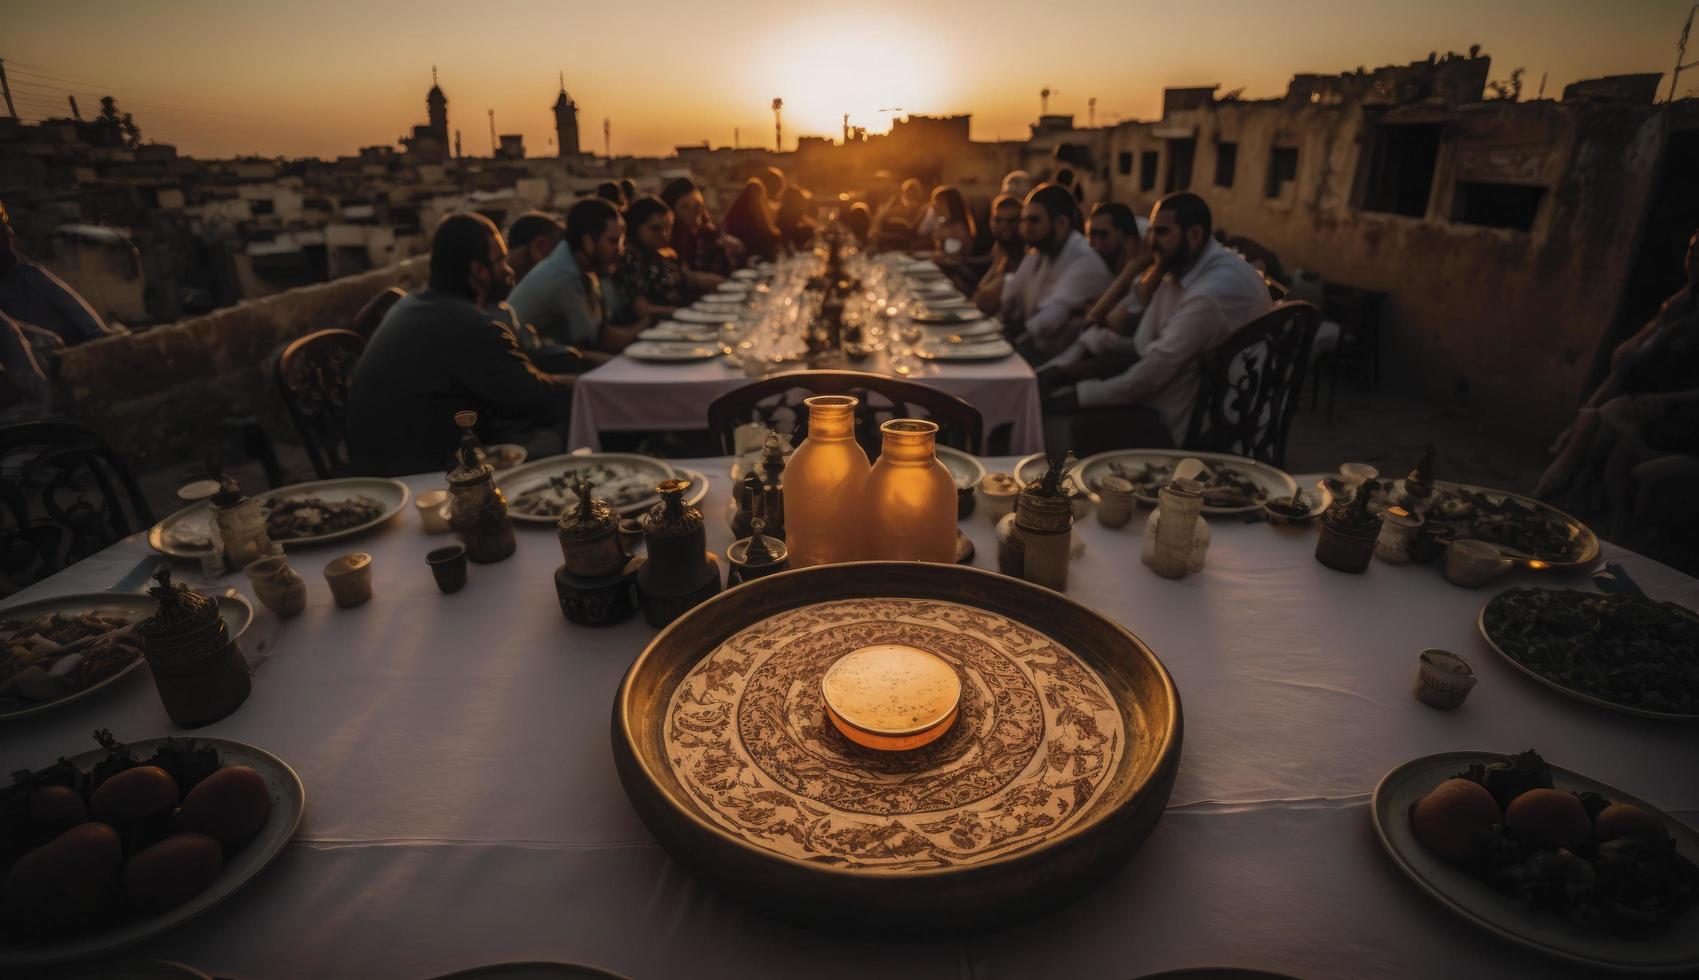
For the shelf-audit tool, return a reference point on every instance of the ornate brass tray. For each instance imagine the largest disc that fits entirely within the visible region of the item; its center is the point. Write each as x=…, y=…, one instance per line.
x=1057, y=767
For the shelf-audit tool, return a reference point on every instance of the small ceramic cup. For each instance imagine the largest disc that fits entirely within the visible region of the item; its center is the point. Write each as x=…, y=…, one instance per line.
x=432, y=511
x=448, y=567
x=1396, y=532
x=1472, y=564
x=1114, y=501
x=277, y=585
x=350, y=579
x=1357, y=474
x=998, y=492
x=1443, y=679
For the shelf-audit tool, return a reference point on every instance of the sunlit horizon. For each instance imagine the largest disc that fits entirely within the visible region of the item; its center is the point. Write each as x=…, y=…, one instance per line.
x=322, y=79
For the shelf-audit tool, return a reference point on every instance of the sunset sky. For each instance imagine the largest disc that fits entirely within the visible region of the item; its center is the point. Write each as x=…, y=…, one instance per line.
x=324, y=77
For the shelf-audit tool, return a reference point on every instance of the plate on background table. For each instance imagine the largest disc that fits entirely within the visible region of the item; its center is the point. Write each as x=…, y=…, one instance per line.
x=965, y=468
x=134, y=607
x=187, y=533
x=671, y=350
x=970, y=349
x=673, y=330
x=688, y=315
x=929, y=316
x=1584, y=628
x=746, y=275
x=626, y=480
x=1675, y=950
x=1228, y=470
x=734, y=287
x=288, y=802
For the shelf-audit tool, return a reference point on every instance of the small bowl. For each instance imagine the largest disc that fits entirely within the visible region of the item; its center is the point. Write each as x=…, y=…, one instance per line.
x=433, y=510
x=350, y=579
x=891, y=697
x=1115, y=501
x=1314, y=503
x=1357, y=474
x=998, y=491
x=1472, y=564
x=1443, y=679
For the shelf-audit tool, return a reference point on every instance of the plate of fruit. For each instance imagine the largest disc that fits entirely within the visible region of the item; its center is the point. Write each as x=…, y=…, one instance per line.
x=1545, y=857
x=115, y=845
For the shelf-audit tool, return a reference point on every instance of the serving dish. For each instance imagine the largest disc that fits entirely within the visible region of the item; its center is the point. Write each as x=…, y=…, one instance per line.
x=723, y=746
x=1674, y=951
x=626, y=480
x=187, y=532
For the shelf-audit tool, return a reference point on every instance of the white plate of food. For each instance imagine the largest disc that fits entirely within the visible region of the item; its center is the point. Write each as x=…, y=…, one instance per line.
x=746, y=275
x=298, y=515
x=540, y=491
x=503, y=455
x=1232, y=484
x=964, y=467
x=706, y=317
x=734, y=287
x=966, y=348
x=671, y=350
x=243, y=857
x=82, y=643
x=1463, y=841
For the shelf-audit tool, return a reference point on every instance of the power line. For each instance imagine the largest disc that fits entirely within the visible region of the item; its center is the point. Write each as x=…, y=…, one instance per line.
x=54, y=83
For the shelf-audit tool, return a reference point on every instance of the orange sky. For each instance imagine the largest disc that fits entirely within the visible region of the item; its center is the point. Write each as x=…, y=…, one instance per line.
x=323, y=77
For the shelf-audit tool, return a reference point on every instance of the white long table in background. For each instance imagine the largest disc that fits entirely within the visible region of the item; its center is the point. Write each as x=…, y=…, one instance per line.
x=463, y=809
x=625, y=395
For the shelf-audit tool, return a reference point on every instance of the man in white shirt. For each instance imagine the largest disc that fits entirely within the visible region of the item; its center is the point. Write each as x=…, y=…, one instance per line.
x=1046, y=296
x=1193, y=294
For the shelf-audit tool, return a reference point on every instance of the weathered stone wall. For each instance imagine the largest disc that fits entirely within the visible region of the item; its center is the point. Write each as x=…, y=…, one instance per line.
x=158, y=396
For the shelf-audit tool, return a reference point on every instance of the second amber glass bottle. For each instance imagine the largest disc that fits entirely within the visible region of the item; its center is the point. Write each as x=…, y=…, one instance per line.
x=911, y=497
x=824, y=484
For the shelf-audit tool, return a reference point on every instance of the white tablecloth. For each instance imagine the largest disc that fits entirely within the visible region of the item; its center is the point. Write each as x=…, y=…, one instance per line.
x=462, y=805
x=625, y=395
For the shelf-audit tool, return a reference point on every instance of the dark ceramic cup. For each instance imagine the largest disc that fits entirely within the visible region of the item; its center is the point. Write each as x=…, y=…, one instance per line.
x=448, y=566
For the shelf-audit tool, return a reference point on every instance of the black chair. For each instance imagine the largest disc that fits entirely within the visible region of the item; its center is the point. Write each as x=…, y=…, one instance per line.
x=64, y=496
x=313, y=376
x=1249, y=386
x=777, y=403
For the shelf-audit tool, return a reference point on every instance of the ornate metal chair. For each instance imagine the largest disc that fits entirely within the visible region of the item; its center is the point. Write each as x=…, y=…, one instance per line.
x=64, y=495
x=313, y=375
x=777, y=401
x=1250, y=384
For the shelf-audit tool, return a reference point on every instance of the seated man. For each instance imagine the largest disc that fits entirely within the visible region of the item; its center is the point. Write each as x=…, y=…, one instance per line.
x=1195, y=293
x=530, y=239
x=438, y=352
x=1059, y=277
x=1108, y=345
x=25, y=392
x=562, y=296
x=1007, y=250
x=40, y=300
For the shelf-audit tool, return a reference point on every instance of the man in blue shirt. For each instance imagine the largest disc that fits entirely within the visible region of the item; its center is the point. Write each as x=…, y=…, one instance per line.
x=562, y=295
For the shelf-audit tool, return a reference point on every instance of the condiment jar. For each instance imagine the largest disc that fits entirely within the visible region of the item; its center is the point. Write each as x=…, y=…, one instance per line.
x=1044, y=522
x=241, y=525
x=279, y=586
x=1396, y=535
x=1349, y=532
x=480, y=509
x=679, y=571
x=1114, y=501
x=589, y=536
x=1176, y=537
x=197, y=667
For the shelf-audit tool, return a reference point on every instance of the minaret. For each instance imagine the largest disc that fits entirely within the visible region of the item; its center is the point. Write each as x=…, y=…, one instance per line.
x=566, y=122
x=437, y=105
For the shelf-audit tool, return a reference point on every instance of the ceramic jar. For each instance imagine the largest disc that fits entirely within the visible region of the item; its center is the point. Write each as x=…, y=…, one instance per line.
x=277, y=585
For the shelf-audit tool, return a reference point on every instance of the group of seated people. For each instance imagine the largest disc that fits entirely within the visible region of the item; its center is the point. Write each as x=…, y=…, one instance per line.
x=1629, y=463
x=506, y=322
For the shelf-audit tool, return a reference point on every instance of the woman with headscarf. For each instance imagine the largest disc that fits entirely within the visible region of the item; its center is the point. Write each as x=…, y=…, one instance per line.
x=750, y=221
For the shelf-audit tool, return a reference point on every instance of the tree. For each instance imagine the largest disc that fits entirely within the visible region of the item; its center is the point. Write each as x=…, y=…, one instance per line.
x=122, y=123
x=1509, y=90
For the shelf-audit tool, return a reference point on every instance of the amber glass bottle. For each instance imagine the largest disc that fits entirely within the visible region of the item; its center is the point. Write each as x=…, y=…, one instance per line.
x=911, y=497
x=825, y=482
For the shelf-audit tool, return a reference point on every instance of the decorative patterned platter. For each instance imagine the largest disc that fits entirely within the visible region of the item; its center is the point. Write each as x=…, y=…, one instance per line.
x=626, y=480
x=1271, y=481
x=1559, y=686
x=236, y=611
x=1059, y=763
x=186, y=533
x=1675, y=951
x=288, y=802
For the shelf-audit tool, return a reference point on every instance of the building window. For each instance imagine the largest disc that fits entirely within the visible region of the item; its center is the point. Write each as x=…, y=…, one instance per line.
x=1147, y=170
x=1180, y=153
x=1401, y=169
x=1126, y=164
x=1282, y=169
x=1226, y=161
x=1512, y=206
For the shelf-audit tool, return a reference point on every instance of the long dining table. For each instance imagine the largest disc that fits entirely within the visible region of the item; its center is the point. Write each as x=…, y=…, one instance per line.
x=462, y=806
